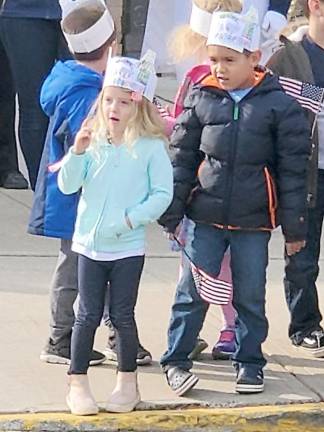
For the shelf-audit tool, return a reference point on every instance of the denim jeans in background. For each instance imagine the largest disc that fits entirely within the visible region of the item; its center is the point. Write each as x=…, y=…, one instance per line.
x=32, y=46
x=249, y=260
x=123, y=276
x=301, y=273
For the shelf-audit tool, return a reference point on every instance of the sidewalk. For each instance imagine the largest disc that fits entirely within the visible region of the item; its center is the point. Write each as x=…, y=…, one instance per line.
x=29, y=386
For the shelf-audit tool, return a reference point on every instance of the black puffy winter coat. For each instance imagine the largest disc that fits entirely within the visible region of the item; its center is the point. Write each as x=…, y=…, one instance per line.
x=241, y=165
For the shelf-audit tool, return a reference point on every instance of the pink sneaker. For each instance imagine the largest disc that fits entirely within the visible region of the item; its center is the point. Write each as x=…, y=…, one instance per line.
x=225, y=346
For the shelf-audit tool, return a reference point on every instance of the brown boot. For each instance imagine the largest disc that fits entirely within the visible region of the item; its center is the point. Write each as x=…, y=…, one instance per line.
x=125, y=396
x=79, y=397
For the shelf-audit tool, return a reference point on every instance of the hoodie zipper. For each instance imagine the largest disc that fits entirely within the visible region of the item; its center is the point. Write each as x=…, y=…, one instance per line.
x=229, y=182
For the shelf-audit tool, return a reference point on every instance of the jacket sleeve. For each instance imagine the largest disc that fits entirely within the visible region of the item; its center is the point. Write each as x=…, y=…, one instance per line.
x=160, y=186
x=186, y=158
x=293, y=148
x=73, y=172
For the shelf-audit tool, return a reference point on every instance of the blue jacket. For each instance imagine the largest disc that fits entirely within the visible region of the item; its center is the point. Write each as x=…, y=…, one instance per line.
x=66, y=97
x=44, y=9
x=117, y=181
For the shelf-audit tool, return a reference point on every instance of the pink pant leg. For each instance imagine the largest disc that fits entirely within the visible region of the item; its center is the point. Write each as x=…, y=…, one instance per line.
x=225, y=275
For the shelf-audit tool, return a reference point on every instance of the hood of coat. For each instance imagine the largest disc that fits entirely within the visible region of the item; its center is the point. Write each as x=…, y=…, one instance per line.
x=67, y=78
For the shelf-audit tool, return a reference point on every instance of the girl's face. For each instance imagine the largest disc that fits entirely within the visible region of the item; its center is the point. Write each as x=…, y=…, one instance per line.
x=118, y=108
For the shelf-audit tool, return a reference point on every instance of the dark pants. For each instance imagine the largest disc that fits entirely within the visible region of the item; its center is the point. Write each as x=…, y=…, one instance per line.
x=32, y=46
x=301, y=273
x=8, y=147
x=249, y=260
x=123, y=277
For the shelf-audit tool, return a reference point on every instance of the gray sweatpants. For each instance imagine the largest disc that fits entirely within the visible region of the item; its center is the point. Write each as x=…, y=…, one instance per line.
x=63, y=293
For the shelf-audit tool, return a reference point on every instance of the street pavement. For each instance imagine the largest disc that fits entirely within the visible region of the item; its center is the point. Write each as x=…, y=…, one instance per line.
x=28, y=385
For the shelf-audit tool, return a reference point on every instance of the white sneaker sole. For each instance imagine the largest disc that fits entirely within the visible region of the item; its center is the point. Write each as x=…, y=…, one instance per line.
x=187, y=385
x=249, y=389
x=314, y=352
x=112, y=356
x=54, y=359
x=115, y=408
x=91, y=411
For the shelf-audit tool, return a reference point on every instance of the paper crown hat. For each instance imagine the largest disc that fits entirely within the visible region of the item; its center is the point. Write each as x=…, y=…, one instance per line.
x=138, y=76
x=96, y=35
x=236, y=31
x=200, y=20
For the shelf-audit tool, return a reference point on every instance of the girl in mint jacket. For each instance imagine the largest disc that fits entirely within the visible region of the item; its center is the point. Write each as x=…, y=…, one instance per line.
x=120, y=163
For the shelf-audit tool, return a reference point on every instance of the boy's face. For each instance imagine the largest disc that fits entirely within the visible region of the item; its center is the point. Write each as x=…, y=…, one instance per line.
x=233, y=70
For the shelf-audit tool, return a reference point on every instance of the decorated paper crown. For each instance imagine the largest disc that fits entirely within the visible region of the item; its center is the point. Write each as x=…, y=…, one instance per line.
x=235, y=31
x=139, y=76
x=96, y=35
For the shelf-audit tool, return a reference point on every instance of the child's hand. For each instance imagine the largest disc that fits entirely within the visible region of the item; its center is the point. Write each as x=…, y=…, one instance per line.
x=83, y=138
x=295, y=247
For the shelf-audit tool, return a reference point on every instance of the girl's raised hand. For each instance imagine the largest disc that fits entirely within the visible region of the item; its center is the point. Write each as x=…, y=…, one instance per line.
x=83, y=137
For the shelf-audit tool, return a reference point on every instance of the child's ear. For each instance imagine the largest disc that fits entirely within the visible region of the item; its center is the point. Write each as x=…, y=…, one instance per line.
x=255, y=58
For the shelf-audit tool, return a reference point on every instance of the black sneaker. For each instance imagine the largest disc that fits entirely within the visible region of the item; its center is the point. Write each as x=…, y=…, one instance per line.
x=249, y=381
x=14, y=180
x=61, y=354
x=180, y=380
x=144, y=357
x=313, y=344
x=200, y=346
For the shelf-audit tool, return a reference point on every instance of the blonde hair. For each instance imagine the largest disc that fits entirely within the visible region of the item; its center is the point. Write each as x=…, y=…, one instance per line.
x=145, y=122
x=184, y=42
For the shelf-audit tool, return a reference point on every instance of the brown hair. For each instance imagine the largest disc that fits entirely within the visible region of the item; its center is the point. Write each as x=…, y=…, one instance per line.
x=184, y=42
x=80, y=20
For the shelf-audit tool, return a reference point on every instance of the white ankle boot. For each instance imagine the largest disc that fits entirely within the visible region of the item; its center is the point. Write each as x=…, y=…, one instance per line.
x=79, y=397
x=125, y=395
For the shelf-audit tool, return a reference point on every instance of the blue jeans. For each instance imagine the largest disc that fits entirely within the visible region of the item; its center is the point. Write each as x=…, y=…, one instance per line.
x=249, y=260
x=123, y=276
x=301, y=273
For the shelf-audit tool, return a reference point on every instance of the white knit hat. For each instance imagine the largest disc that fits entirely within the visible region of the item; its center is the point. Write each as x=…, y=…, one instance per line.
x=236, y=31
x=96, y=35
x=138, y=76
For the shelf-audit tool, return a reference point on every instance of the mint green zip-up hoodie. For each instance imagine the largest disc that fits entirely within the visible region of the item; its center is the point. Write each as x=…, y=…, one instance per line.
x=116, y=181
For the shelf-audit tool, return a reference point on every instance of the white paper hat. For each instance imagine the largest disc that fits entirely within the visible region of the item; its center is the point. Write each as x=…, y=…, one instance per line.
x=200, y=20
x=96, y=35
x=236, y=31
x=138, y=76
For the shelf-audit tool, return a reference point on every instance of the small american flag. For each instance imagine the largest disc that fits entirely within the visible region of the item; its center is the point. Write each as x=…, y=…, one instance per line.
x=308, y=95
x=210, y=289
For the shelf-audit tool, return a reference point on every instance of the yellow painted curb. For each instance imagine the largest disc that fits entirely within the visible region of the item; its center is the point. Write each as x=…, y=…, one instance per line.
x=283, y=418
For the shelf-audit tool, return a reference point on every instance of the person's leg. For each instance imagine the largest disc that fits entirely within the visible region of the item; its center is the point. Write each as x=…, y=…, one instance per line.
x=10, y=177
x=124, y=282
x=249, y=260
x=30, y=42
x=301, y=272
x=93, y=276
x=206, y=250
x=92, y=286
x=225, y=346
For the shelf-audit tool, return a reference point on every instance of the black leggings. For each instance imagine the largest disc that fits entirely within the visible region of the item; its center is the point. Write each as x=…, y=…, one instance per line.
x=123, y=276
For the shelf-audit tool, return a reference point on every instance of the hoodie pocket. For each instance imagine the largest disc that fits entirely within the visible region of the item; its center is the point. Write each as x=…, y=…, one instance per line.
x=272, y=196
x=113, y=223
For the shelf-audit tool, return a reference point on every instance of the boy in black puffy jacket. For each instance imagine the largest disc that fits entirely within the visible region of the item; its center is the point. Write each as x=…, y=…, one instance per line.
x=240, y=159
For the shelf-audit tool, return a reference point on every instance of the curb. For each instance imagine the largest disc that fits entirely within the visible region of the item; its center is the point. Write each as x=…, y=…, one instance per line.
x=288, y=418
